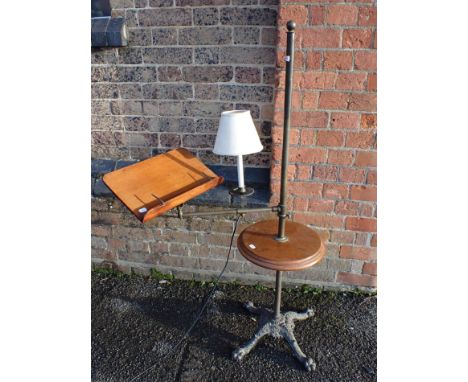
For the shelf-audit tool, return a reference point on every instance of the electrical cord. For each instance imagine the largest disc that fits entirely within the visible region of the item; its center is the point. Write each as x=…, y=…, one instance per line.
x=200, y=312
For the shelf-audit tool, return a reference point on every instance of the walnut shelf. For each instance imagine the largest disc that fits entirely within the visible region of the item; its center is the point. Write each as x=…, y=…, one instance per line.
x=156, y=185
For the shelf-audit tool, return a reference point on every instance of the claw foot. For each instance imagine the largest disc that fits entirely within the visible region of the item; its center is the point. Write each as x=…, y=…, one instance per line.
x=309, y=312
x=238, y=354
x=309, y=364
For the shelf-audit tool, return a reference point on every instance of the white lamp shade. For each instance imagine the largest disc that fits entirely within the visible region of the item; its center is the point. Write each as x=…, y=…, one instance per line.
x=237, y=134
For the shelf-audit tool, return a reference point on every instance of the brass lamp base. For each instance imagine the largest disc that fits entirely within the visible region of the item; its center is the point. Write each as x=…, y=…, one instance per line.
x=241, y=191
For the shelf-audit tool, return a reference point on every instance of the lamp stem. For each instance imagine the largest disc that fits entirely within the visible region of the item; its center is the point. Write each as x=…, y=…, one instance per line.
x=282, y=211
x=240, y=172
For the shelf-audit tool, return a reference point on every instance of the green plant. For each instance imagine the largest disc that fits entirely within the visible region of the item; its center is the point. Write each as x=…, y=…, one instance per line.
x=260, y=287
x=158, y=275
x=308, y=289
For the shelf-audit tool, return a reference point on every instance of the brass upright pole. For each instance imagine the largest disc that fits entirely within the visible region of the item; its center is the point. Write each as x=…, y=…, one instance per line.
x=282, y=211
x=283, y=207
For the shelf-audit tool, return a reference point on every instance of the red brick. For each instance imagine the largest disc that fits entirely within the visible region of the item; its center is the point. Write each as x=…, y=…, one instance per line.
x=366, y=210
x=313, y=60
x=329, y=173
x=346, y=207
x=277, y=136
x=330, y=138
x=333, y=100
x=372, y=82
x=275, y=189
x=367, y=16
x=342, y=237
x=361, y=239
x=325, y=221
x=316, y=119
x=343, y=157
x=305, y=188
x=344, y=120
x=115, y=245
x=357, y=280
x=335, y=191
x=357, y=253
x=366, y=159
x=103, y=254
x=308, y=155
x=303, y=172
x=357, y=38
x=276, y=172
x=309, y=100
x=341, y=15
x=352, y=175
x=320, y=205
x=365, y=60
x=296, y=81
x=299, y=59
x=319, y=80
x=320, y=38
x=369, y=121
x=317, y=15
x=361, y=140
x=278, y=116
x=363, y=102
x=300, y=204
x=351, y=81
x=295, y=99
x=373, y=241
x=369, y=269
x=298, y=13
x=372, y=177
x=363, y=193
x=361, y=224
x=342, y=60
x=179, y=236
x=298, y=55
x=100, y=230
x=308, y=137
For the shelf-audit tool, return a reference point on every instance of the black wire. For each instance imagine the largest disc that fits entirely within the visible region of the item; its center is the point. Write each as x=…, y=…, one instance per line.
x=202, y=309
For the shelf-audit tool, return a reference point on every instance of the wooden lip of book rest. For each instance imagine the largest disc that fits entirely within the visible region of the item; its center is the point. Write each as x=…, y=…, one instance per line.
x=156, y=185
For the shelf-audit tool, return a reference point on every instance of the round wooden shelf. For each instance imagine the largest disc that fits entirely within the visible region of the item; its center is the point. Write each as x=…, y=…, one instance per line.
x=258, y=244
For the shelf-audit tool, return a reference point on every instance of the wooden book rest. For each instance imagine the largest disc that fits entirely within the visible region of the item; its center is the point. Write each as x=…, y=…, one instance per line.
x=156, y=185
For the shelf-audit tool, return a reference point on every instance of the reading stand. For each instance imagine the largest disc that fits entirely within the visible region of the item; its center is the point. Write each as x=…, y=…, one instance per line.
x=154, y=186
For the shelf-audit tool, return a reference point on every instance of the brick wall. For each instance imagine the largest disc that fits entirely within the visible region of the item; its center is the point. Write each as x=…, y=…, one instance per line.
x=186, y=62
x=333, y=129
x=146, y=98
x=191, y=248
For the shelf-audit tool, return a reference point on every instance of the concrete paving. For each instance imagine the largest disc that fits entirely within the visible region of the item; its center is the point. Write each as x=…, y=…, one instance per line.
x=137, y=320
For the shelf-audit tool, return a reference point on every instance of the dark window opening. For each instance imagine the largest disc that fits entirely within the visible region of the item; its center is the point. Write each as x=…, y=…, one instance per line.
x=100, y=8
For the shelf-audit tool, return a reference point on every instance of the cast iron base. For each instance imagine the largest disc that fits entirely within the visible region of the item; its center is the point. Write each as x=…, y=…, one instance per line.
x=282, y=326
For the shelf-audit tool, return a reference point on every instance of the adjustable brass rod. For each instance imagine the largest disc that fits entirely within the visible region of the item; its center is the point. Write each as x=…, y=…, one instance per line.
x=282, y=212
x=278, y=294
x=228, y=211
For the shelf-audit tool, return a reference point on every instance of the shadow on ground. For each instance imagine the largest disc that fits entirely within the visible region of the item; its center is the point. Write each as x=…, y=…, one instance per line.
x=136, y=320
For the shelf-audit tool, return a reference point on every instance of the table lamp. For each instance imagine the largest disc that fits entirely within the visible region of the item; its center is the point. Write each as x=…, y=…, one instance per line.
x=237, y=136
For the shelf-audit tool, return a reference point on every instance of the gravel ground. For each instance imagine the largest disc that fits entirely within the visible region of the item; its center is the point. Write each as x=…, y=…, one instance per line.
x=136, y=320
